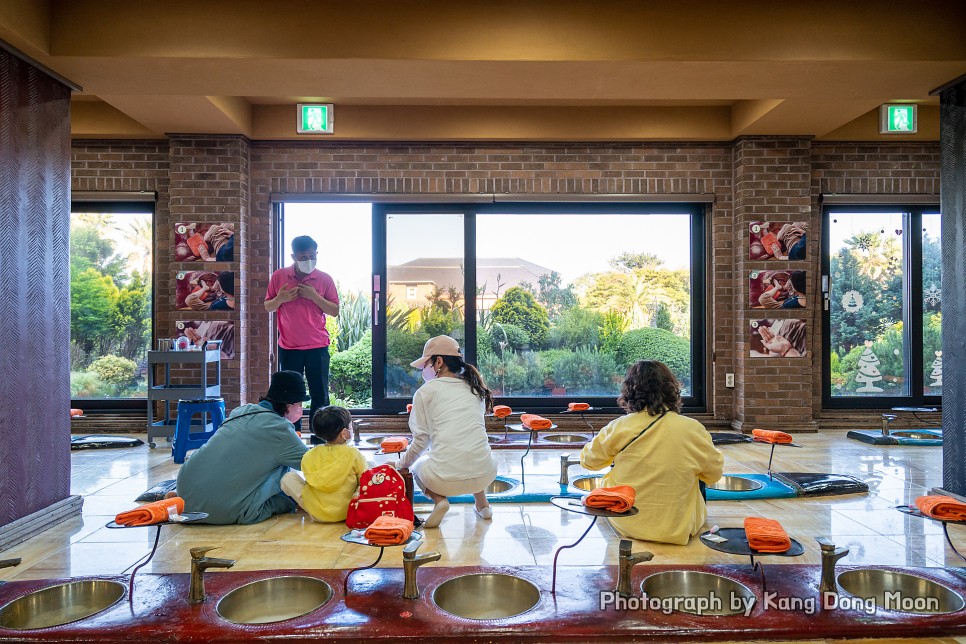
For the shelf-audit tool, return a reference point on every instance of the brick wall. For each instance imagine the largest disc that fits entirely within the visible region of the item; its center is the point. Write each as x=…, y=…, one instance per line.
x=215, y=178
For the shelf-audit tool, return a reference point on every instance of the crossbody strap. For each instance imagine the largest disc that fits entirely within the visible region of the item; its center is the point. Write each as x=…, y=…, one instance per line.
x=642, y=432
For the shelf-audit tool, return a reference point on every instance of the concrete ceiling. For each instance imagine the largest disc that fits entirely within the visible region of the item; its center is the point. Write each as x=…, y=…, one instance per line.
x=550, y=70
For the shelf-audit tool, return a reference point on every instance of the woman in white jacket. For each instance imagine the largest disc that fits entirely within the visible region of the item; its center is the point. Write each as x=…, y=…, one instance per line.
x=448, y=419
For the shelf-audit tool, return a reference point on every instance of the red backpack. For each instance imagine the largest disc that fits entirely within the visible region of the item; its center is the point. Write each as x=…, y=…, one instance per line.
x=382, y=492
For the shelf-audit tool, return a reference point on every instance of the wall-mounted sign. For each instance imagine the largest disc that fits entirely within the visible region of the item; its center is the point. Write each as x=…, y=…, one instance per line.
x=898, y=119
x=315, y=119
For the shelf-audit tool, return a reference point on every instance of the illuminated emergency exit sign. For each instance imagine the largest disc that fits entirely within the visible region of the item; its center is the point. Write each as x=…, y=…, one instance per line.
x=898, y=119
x=315, y=119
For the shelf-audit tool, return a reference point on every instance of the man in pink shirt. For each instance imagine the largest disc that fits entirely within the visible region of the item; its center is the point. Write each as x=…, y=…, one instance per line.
x=301, y=297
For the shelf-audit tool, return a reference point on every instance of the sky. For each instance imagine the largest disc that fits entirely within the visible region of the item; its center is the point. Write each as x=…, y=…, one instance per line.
x=572, y=245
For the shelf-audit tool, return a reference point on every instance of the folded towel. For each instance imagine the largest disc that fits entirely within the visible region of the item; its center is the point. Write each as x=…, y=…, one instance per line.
x=409, y=408
x=534, y=422
x=766, y=535
x=150, y=513
x=771, y=436
x=619, y=498
x=942, y=507
x=196, y=242
x=76, y=412
x=389, y=531
x=502, y=411
x=578, y=406
x=394, y=444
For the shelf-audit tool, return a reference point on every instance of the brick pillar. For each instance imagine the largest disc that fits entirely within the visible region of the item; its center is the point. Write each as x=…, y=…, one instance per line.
x=209, y=182
x=772, y=182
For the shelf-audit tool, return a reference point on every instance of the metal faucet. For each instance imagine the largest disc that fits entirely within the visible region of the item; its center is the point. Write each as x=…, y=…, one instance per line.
x=886, y=419
x=627, y=563
x=412, y=561
x=356, y=434
x=830, y=554
x=199, y=564
x=565, y=463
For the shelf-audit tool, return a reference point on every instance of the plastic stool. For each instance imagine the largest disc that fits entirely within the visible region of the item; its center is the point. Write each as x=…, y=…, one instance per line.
x=184, y=439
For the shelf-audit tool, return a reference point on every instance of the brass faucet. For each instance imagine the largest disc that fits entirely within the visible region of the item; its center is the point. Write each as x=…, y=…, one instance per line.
x=199, y=564
x=886, y=419
x=412, y=561
x=565, y=463
x=627, y=563
x=830, y=554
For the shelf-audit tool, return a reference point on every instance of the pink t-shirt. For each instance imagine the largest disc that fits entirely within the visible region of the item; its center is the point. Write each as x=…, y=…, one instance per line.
x=301, y=323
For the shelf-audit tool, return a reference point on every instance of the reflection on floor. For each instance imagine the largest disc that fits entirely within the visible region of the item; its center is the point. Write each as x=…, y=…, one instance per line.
x=519, y=534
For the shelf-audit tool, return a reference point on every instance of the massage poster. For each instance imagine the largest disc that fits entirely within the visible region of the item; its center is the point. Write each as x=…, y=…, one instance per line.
x=776, y=289
x=200, y=331
x=777, y=240
x=204, y=242
x=205, y=290
x=774, y=338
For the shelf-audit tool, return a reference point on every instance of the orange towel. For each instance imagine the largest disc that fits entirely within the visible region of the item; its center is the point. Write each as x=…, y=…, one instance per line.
x=502, y=411
x=76, y=412
x=766, y=535
x=619, y=498
x=394, y=444
x=767, y=241
x=578, y=406
x=389, y=531
x=195, y=243
x=150, y=513
x=409, y=408
x=534, y=422
x=771, y=436
x=942, y=507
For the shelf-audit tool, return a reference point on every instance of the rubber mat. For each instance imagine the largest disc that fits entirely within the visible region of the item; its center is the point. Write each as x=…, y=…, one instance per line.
x=157, y=492
x=875, y=437
x=103, y=442
x=819, y=484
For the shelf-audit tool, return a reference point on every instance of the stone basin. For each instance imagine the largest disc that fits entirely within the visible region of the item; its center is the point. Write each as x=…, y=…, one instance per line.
x=731, y=483
x=900, y=592
x=274, y=600
x=698, y=593
x=61, y=604
x=588, y=483
x=486, y=596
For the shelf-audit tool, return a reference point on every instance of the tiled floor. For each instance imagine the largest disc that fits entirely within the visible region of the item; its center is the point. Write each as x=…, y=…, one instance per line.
x=526, y=534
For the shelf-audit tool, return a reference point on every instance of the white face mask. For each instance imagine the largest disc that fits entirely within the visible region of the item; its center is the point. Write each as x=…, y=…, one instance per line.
x=306, y=266
x=429, y=373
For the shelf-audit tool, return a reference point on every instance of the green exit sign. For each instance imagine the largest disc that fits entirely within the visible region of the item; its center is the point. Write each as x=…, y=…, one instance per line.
x=898, y=119
x=315, y=119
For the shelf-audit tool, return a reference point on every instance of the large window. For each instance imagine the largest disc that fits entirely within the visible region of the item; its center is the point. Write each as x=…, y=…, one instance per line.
x=883, y=276
x=111, y=294
x=562, y=297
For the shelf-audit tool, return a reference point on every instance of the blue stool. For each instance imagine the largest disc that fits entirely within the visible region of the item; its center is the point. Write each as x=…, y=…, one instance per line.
x=184, y=439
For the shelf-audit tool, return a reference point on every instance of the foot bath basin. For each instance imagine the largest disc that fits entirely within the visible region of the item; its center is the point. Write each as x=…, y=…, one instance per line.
x=61, y=604
x=274, y=600
x=486, y=596
x=900, y=592
x=699, y=593
x=733, y=483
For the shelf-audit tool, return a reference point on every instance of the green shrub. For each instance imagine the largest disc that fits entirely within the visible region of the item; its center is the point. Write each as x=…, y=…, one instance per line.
x=589, y=372
x=403, y=347
x=518, y=338
x=548, y=362
x=518, y=306
x=355, y=318
x=660, y=345
x=484, y=343
x=350, y=371
x=85, y=384
x=115, y=371
x=576, y=327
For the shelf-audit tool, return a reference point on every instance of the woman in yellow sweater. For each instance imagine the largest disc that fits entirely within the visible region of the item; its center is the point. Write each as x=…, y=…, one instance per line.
x=659, y=453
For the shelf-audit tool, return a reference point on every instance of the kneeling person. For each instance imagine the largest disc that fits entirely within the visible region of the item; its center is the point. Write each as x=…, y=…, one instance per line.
x=236, y=476
x=331, y=470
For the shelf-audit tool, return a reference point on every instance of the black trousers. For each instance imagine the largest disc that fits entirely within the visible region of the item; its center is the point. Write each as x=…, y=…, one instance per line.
x=314, y=363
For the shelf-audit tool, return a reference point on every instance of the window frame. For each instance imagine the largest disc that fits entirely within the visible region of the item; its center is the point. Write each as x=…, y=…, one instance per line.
x=912, y=315
x=139, y=206
x=696, y=402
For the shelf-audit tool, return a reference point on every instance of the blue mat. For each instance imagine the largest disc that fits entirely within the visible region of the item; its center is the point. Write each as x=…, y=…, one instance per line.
x=875, y=437
x=773, y=489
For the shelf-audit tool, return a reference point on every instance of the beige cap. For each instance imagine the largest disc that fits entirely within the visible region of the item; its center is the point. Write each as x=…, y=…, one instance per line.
x=441, y=345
